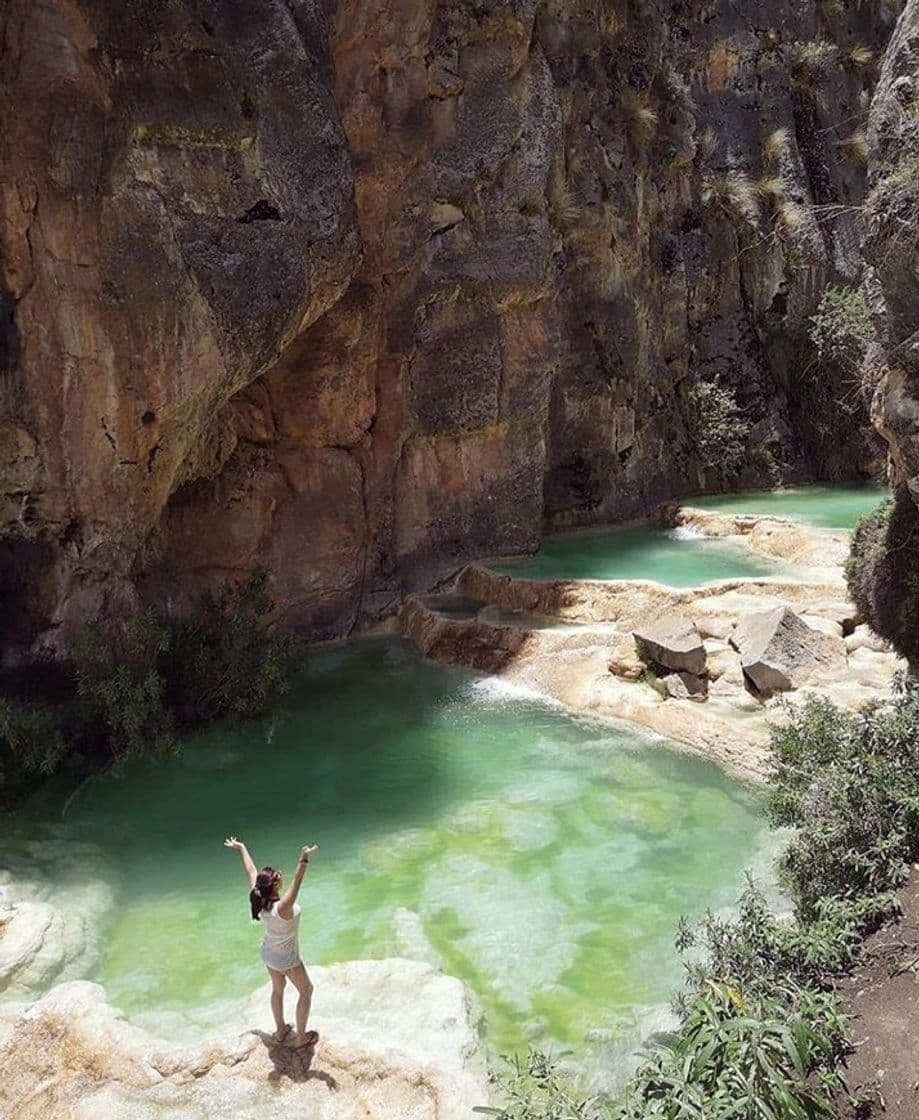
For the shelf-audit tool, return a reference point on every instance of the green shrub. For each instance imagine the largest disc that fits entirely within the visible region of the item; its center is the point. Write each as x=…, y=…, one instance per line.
x=224, y=662
x=851, y=785
x=33, y=737
x=842, y=330
x=717, y=428
x=132, y=686
x=121, y=688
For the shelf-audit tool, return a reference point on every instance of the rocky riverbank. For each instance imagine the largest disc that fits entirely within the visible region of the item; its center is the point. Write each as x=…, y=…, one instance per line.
x=397, y=1039
x=574, y=640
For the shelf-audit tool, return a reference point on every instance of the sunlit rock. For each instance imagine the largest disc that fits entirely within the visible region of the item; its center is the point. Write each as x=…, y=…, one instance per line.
x=397, y=1039
x=779, y=651
x=673, y=642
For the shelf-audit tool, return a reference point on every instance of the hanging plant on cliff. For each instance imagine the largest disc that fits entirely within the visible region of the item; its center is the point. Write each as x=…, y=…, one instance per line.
x=717, y=427
x=842, y=330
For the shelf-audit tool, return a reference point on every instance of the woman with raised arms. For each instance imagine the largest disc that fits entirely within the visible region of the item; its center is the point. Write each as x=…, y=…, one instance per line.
x=280, y=914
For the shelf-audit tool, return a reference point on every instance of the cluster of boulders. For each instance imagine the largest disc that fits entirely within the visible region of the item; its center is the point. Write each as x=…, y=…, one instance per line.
x=774, y=650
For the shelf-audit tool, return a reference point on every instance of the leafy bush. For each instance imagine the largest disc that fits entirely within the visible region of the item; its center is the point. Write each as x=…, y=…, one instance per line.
x=851, y=784
x=121, y=687
x=132, y=686
x=762, y=1037
x=33, y=737
x=842, y=330
x=717, y=428
x=739, y=1058
x=224, y=663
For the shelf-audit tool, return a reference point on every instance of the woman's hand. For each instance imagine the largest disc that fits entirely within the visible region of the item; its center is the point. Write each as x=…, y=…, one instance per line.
x=232, y=842
x=307, y=850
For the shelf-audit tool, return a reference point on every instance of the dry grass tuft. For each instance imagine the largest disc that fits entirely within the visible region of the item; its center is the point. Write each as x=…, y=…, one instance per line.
x=861, y=57
x=707, y=144
x=812, y=60
x=855, y=147
x=770, y=189
x=733, y=194
x=564, y=207
x=789, y=216
x=638, y=113
x=832, y=11
x=777, y=145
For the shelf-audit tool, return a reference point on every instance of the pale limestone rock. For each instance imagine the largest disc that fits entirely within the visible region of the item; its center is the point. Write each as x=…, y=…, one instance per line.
x=46, y=934
x=397, y=1040
x=863, y=637
x=672, y=641
x=720, y=658
x=685, y=686
x=823, y=625
x=715, y=627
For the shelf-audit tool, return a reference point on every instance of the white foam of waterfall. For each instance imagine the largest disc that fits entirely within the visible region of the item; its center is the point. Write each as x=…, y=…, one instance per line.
x=686, y=533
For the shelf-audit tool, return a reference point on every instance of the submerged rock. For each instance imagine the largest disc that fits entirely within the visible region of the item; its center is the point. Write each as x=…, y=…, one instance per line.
x=673, y=642
x=779, y=651
x=397, y=1039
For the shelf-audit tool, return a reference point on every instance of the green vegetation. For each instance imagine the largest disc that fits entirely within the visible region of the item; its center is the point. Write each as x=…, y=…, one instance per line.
x=717, y=428
x=841, y=330
x=762, y=1035
x=130, y=689
x=882, y=572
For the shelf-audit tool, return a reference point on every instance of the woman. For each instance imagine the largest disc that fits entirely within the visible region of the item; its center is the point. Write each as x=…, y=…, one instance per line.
x=280, y=914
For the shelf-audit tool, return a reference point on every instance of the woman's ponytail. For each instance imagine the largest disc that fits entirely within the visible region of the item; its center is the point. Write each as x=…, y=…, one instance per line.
x=262, y=894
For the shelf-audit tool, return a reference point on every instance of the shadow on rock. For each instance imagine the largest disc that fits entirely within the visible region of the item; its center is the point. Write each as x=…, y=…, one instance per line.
x=293, y=1062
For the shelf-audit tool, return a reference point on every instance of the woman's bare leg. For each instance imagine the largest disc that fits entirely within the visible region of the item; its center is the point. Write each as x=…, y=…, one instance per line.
x=278, y=980
x=301, y=981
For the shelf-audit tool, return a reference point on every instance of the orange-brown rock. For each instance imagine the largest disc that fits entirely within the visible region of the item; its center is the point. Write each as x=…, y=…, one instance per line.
x=362, y=292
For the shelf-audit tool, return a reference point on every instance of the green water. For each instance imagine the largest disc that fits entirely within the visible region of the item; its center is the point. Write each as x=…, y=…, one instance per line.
x=671, y=556
x=682, y=558
x=543, y=859
x=831, y=507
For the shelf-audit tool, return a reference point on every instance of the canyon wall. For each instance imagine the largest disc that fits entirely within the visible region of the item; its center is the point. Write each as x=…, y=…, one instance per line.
x=884, y=571
x=361, y=292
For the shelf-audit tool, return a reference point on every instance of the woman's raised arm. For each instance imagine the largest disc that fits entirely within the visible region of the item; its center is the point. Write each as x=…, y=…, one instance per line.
x=248, y=863
x=289, y=897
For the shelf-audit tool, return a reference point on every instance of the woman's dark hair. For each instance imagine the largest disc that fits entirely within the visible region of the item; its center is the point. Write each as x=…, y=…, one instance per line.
x=262, y=894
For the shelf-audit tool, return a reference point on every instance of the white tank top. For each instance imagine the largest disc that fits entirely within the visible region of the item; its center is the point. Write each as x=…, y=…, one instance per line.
x=280, y=950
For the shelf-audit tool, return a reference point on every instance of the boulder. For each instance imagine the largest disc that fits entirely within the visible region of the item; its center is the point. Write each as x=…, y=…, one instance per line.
x=779, y=651
x=686, y=686
x=674, y=642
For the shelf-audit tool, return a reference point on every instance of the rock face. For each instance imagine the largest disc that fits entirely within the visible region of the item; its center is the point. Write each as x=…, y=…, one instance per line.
x=674, y=642
x=359, y=294
x=71, y=1055
x=893, y=205
x=886, y=547
x=779, y=652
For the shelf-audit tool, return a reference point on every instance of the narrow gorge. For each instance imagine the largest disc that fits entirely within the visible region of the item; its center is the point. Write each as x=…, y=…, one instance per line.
x=482, y=438
x=362, y=294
